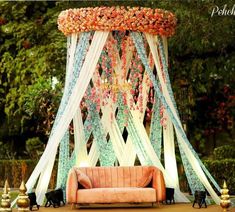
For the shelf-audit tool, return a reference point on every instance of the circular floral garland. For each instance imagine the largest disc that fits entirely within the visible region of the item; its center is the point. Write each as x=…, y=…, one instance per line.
x=142, y=19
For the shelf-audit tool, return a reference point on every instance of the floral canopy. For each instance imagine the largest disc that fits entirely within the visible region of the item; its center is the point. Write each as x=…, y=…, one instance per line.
x=118, y=106
x=153, y=21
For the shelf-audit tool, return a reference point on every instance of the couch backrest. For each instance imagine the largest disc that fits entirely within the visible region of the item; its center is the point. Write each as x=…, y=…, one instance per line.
x=106, y=177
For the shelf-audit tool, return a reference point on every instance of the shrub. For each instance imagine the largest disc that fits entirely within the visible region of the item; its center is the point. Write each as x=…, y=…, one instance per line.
x=34, y=147
x=6, y=151
x=223, y=170
x=224, y=152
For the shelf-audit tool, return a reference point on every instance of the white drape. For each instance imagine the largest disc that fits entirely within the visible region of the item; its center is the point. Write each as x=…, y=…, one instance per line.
x=168, y=138
x=169, y=152
x=121, y=148
x=168, y=134
x=129, y=151
x=179, y=196
x=93, y=154
x=115, y=135
x=193, y=161
x=125, y=152
x=46, y=162
x=154, y=49
x=70, y=58
x=118, y=143
x=87, y=70
x=79, y=139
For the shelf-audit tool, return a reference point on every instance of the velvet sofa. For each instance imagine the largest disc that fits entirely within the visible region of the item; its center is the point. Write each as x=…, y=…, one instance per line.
x=94, y=185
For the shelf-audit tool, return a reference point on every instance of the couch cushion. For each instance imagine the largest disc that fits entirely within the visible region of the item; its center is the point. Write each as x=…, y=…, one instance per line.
x=83, y=179
x=118, y=177
x=116, y=195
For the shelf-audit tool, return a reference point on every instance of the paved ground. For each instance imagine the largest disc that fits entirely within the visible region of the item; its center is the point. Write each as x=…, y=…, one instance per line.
x=162, y=208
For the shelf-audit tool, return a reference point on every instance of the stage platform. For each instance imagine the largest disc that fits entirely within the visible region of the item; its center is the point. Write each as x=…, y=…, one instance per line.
x=162, y=208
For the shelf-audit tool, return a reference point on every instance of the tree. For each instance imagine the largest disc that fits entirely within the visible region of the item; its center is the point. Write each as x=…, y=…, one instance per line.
x=205, y=62
x=33, y=51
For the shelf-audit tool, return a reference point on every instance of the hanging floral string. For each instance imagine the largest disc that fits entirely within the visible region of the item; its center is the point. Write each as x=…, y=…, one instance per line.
x=107, y=84
x=107, y=155
x=156, y=128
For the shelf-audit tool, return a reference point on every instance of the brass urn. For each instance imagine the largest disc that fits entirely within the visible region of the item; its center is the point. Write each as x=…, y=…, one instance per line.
x=6, y=201
x=225, y=201
x=23, y=201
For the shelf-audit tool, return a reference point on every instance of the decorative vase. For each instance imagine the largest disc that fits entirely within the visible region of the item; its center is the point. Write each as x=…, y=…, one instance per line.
x=23, y=201
x=225, y=201
x=6, y=201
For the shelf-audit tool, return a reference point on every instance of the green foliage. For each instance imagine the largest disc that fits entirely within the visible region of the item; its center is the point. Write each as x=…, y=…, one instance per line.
x=224, y=152
x=41, y=103
x=34, y=147
x=202, y=56
x=223, y=170
x=33, y=51
x=6, y=151
x=13, y=195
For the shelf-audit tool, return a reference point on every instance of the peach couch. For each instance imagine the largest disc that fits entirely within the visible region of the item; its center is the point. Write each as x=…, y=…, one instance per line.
x=137, y=184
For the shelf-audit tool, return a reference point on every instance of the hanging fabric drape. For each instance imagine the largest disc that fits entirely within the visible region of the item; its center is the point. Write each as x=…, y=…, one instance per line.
x=163, y=52
x=72, y=74
x=79, y=139
x=148, y=149
x=172, y=113
x=169, y=151
x=86, y=72
x=112, y=78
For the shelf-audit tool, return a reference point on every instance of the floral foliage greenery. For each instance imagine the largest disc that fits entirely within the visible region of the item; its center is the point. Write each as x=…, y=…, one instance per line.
x=201, y=56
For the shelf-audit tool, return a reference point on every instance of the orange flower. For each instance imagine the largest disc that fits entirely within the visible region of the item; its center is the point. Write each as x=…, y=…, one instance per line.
x=154, y=21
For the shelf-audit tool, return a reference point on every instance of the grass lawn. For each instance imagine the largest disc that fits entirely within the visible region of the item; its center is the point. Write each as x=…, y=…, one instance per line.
x=13, y=194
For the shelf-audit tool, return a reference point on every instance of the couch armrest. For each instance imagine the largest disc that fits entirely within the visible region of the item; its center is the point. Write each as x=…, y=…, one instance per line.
x=159, y=184
x=72, y=186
